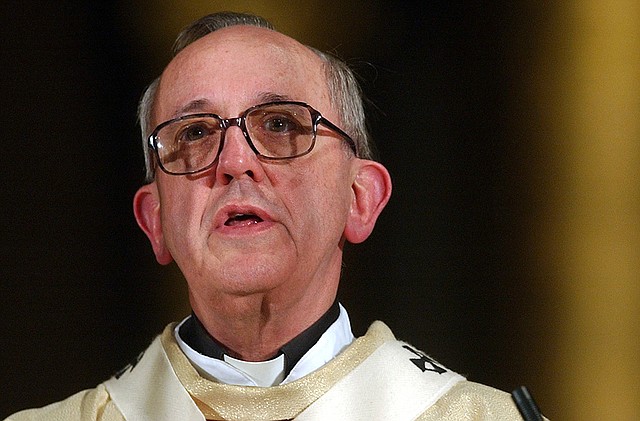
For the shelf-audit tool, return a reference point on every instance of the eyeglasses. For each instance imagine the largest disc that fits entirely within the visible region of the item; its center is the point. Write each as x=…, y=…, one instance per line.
x=275, y=131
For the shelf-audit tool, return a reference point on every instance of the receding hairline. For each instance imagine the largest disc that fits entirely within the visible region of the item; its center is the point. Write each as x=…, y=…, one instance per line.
x=249, y=31
x=245, y=31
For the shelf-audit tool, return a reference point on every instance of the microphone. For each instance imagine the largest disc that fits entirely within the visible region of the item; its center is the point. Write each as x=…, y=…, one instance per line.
x=526, y=405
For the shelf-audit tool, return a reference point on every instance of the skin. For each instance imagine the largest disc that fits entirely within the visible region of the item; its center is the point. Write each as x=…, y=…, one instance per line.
x=256, y=285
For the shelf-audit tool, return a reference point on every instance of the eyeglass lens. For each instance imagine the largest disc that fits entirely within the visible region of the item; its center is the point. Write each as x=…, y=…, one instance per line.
x=276, y=131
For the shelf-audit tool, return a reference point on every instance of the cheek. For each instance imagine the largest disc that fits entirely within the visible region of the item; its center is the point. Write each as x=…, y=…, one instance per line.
x=318, y=200
x=181, y=218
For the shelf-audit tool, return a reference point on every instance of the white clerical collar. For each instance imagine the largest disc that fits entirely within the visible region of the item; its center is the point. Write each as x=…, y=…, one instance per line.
x=269, y=373
x=263, y=373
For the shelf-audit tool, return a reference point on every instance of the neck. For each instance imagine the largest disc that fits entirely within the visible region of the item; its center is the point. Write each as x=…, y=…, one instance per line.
x=253, y=328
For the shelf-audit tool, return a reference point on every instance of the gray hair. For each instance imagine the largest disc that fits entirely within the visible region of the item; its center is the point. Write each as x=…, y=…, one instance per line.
x=344, y=89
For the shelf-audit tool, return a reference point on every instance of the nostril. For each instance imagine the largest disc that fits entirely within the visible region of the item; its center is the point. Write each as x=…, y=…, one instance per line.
x=227, y=178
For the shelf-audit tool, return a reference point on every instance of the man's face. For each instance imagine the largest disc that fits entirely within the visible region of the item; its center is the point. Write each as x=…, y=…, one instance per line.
x=247, y=225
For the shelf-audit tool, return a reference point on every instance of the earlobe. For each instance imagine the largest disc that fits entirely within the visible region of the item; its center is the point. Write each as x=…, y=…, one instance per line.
x=146, y=208
x=371, y=192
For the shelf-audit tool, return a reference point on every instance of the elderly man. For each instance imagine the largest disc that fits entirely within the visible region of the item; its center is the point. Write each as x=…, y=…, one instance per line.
x=259, y=173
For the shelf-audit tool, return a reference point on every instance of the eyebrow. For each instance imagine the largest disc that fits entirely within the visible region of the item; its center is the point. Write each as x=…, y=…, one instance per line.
x=272, y=97
x=197, y=105
x=204, y=105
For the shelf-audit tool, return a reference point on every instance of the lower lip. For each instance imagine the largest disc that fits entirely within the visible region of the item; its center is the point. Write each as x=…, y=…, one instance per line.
x=245, y=228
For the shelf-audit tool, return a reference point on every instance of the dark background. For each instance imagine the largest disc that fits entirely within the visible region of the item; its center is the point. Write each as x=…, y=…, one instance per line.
x=447, y=267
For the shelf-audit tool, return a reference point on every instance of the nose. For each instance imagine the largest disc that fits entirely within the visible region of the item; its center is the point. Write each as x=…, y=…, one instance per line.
x=237, y=159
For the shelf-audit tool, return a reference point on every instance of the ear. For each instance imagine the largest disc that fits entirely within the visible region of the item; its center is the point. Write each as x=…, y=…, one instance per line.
x=371, y=191
x=146, y=208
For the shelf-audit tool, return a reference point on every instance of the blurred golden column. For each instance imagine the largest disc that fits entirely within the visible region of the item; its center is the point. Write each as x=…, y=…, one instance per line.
x=589, y=220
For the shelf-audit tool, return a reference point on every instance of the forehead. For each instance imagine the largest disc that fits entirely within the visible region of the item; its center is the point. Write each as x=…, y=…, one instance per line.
x=237, y=67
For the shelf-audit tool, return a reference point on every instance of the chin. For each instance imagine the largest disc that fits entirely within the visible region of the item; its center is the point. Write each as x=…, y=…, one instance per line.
x=244, y=279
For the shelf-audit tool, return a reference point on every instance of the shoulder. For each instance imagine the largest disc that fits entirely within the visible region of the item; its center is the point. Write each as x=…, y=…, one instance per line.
x=456, y=398
x=469, y=400
x=90, y=404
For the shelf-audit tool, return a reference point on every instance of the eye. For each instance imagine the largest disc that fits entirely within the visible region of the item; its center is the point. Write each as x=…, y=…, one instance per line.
x=195, y=131
x=280, y=123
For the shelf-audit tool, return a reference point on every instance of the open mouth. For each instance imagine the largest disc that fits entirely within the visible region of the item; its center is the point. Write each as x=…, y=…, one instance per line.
x=242, y=219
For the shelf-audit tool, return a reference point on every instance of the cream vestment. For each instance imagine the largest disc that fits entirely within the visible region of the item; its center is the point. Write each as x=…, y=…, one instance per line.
x=375, y=378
